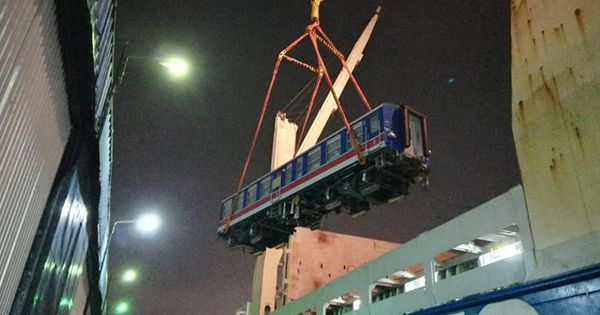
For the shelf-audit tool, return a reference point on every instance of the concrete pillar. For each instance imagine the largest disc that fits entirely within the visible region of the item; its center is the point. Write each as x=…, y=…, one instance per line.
x=264, y=282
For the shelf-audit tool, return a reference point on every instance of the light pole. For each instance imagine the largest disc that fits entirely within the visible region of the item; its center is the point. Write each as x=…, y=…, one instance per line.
x=177, y=67
x=146, y=223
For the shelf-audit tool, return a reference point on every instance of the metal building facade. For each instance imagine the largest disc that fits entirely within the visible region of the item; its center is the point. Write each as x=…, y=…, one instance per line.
x=34, y=129
x=56, y=71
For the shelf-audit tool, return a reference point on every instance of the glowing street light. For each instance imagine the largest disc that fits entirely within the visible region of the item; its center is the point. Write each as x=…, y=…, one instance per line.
x=145, y=223
x=122, y=307
x=148, y=223
x=129, y=276
x=177, y=67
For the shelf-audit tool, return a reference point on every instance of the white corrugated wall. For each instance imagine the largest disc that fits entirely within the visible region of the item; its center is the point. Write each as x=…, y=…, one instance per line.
x=34, y=129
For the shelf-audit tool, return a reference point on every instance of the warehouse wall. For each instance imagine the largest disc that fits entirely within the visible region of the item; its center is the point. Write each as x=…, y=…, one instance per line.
x=56, y=63
x=34, y=129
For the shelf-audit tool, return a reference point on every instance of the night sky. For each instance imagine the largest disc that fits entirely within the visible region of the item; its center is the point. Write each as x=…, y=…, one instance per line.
x=179, y=146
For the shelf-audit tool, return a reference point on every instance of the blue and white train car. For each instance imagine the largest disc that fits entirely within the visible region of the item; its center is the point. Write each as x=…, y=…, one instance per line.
x=329, y=177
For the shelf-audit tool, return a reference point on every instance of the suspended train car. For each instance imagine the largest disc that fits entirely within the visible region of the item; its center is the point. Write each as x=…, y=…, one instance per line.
x=329, y=177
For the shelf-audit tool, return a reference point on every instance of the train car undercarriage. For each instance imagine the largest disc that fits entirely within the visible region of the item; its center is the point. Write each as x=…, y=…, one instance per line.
x=384, y=178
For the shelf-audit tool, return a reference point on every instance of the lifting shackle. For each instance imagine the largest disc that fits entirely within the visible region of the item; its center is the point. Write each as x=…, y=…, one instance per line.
x=314, y=10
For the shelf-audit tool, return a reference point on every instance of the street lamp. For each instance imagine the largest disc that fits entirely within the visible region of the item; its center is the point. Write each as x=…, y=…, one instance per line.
x=146, y=223
x=177, y=67
x=122, y=307
x=129, y=276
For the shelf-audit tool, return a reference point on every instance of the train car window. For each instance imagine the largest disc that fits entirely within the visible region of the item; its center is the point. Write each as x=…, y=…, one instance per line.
x=358, y=130
x=314, y=158
x=225, y=209
x=276, y=182
x=374, y=125
x=240, y=201
x=415, y=125
x=299, y=167
x=265, y=186
x=288, y=174
x=251, y=197
x=333, y=147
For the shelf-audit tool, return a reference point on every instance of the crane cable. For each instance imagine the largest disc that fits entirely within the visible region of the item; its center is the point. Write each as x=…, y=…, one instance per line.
x=258, y=126
x=310, y=106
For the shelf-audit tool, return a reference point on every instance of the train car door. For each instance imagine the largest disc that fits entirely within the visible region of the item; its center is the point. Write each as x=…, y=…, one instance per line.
x=373, y=129
x=227, y=209
x=415, y=133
